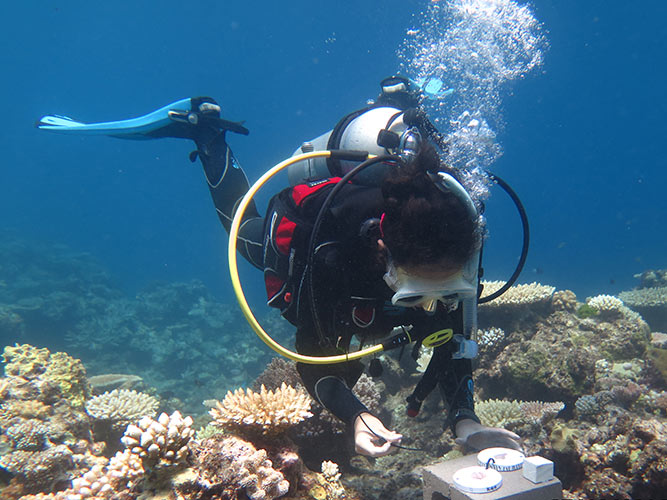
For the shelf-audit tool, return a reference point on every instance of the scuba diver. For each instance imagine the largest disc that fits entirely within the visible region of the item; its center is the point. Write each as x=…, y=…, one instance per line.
x=396, y=249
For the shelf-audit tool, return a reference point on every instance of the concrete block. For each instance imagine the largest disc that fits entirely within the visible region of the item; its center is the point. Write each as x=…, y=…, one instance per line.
x=439, y=485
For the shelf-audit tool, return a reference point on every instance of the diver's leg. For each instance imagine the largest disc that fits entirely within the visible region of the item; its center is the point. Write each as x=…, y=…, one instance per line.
x=228, y=184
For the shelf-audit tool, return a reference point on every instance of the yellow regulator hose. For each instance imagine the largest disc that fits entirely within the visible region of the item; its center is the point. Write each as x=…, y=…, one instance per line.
x=236, y=282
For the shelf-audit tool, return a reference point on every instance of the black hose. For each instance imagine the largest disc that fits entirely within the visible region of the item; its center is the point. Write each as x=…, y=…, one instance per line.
x=526, y=239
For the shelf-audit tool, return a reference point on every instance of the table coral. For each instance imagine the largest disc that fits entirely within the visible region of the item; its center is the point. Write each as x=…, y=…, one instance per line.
x=121, y=407
x=517, y=295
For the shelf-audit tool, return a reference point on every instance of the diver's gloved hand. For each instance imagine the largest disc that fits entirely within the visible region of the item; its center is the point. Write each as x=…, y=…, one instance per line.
x=371, y=438
x=475, y=437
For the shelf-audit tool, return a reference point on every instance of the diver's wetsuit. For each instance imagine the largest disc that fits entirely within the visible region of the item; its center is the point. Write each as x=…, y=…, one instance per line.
x=350, y=295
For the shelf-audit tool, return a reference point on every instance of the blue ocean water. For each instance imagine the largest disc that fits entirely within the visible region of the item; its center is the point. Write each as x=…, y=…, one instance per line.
x=582, y=138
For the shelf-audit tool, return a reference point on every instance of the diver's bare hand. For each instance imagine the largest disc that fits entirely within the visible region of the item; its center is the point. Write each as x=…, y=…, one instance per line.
x=475, y=437
x=367, y=442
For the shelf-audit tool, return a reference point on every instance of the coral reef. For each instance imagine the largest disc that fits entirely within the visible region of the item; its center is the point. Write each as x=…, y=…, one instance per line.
x=169, y=333
x=68, y=373
x=610, y=440
x=45, y=435
x=264, y=411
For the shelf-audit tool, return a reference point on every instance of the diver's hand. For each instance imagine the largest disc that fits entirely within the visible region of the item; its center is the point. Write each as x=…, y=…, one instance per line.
x=367, y=443
x=475, y=437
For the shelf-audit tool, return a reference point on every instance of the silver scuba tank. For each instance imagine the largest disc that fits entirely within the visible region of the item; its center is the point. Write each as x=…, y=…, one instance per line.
x=359, y=134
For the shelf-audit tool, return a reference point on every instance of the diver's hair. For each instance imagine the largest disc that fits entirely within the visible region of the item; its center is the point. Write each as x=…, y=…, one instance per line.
x=422, y=224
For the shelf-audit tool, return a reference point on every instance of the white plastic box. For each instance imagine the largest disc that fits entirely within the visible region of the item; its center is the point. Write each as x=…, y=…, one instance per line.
x=538, y=469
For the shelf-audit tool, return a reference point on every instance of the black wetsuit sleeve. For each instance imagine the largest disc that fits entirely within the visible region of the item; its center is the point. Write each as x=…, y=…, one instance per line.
x=329, y=384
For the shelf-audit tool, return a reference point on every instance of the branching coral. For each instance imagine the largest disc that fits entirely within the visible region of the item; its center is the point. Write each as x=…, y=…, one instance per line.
x=264, y=411
x=501, y=413
x=121, y=407
x=161, y=442
x=498, y=413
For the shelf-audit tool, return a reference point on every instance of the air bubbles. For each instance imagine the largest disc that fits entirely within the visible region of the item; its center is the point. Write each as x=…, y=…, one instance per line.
x=476, y=47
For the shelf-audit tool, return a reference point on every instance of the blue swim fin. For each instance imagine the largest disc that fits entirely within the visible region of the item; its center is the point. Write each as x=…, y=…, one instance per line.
x=178, y=119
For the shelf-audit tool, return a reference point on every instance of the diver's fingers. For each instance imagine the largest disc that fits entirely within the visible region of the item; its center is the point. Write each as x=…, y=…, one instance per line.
x=365, y=446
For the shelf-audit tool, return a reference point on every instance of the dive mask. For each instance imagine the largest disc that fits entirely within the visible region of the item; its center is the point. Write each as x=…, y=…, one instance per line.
x=413, y=291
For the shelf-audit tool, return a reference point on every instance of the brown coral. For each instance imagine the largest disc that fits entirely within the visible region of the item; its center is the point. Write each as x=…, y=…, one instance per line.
x=264, y=411
x=564, y=300
x=228, y=465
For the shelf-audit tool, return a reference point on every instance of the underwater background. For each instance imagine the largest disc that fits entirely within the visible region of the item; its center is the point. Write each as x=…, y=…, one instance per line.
x=111, y=250
x=582, y=138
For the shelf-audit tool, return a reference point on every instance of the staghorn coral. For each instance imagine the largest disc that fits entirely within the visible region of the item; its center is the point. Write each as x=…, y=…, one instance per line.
x=329, y=481
x=162, y=442
x=265, y=411
x=517, y=295
x=228, y=465
x=121, y=407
